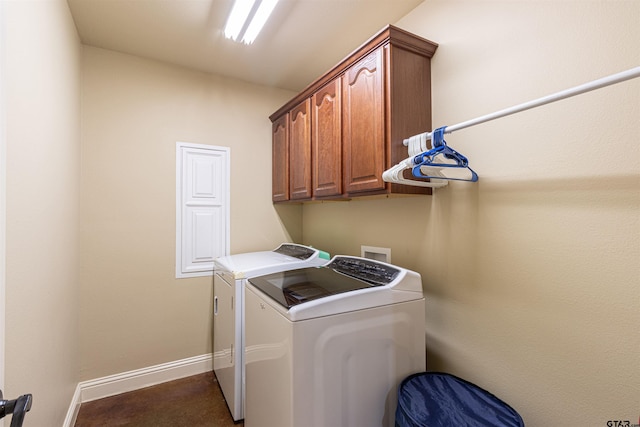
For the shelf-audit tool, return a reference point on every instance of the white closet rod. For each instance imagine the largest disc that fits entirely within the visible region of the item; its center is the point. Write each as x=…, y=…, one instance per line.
x=577, y=90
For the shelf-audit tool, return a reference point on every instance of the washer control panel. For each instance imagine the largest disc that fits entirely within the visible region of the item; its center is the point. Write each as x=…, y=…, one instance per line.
x=364, y=269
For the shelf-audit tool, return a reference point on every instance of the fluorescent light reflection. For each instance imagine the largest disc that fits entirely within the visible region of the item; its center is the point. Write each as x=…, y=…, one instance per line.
x=258, y=21
x=237, y=18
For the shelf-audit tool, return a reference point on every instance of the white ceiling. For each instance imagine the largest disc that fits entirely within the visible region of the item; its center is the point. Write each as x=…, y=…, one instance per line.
x=302, y=39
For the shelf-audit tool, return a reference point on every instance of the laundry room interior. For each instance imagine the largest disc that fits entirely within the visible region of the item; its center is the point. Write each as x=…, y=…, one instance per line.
x=530, y=276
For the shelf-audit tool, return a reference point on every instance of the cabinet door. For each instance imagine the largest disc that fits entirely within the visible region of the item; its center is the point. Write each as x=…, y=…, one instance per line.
x=280, y=161
x=300, y=151
x=363, y=124
x=326, y=140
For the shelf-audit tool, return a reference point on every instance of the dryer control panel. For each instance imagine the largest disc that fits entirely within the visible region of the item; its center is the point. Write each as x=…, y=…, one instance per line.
x=296, y=251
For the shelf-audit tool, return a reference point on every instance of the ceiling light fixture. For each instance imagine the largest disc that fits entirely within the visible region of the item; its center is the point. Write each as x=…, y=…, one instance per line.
x=237, y=18
x=258, y=21
x=241, y=12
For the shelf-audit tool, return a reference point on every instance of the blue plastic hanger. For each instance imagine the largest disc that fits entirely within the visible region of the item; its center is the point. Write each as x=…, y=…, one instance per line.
x=442, y=161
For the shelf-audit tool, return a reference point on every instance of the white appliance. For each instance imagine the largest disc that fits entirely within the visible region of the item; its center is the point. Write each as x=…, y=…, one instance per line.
x=231, y=273
x=329, y=346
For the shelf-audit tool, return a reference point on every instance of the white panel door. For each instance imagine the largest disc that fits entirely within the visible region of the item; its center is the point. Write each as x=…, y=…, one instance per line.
x=202, y=210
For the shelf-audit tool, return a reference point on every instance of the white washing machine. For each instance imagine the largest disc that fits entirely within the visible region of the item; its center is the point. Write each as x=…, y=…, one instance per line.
x=329, y=346
x=231, y=273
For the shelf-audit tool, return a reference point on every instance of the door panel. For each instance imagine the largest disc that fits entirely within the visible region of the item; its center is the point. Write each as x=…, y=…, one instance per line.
x=363, y=124
x=326, y=140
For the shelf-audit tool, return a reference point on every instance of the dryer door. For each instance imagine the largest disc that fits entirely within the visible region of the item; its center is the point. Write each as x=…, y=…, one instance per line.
x=227, y=344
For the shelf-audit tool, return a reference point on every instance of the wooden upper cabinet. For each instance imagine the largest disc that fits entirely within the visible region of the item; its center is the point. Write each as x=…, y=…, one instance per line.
x=280, y=160
x=326, y=140
x=300, y=151
x=347, y=127
x=363, y=124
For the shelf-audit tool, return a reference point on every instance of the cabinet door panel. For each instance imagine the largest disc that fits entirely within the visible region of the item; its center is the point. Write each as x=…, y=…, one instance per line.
x=363, y=124
x=326, y=140
x=300, y=151
x=280, y=161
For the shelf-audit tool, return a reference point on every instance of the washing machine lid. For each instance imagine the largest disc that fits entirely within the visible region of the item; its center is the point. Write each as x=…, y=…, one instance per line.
x=345, y=284
x=285, y=257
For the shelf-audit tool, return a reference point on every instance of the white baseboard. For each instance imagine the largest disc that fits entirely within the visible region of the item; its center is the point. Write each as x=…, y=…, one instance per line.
x=134, y=380
x=72, y=413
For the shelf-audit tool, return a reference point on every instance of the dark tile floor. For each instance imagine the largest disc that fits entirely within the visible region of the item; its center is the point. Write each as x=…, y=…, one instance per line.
x=195, y=401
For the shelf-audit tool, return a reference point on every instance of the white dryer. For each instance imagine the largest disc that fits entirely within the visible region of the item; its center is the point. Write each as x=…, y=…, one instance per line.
x=329, y=346
x=231, y=273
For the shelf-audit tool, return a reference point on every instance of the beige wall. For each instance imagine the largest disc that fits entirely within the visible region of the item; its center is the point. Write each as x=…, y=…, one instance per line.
x=42, y=83
x=532, y=274
x=134, y=313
